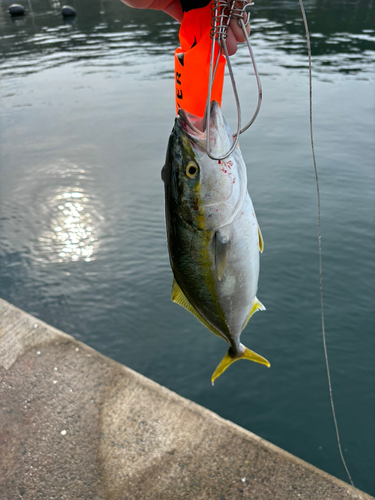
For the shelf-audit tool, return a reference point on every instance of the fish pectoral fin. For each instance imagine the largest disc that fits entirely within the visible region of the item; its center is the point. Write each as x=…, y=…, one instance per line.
x=180, y=298
x=261, y=242
x=257, y=306
x=221, y=252
x=231, y=357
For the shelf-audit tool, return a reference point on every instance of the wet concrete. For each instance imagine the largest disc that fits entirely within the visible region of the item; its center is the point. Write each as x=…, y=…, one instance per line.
x=77, y=425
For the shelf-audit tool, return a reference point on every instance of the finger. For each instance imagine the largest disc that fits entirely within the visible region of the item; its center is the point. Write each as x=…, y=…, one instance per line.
x=231, y=43
x=174, y=9
x=237, y=30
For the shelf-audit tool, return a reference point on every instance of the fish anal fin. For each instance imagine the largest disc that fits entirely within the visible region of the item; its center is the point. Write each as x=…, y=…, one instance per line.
x=231, y=357
x=257, y=306
x=261, y=242
x=221, y=253
x=180, y=298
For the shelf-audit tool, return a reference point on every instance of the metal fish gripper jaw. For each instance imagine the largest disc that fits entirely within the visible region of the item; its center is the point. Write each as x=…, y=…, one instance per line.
x=223, y=11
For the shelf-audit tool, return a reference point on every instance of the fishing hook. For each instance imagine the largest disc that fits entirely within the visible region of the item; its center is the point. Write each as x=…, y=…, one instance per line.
x=223, y=11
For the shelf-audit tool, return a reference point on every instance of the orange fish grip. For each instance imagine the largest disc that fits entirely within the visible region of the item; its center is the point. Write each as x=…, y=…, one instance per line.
x=192, y=63
x=200, y=63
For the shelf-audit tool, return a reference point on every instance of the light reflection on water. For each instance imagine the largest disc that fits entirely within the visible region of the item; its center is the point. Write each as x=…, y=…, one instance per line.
x=55, y=202
x=71, y=235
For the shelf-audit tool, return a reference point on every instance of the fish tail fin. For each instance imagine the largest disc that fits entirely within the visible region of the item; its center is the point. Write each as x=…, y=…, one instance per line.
x=231, y=357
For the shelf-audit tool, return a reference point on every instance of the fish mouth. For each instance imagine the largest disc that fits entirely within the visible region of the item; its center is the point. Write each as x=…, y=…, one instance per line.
x=194, y=127
x=190, y=123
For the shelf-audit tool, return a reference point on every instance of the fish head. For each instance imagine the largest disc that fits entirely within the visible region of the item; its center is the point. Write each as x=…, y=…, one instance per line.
x=205, y=192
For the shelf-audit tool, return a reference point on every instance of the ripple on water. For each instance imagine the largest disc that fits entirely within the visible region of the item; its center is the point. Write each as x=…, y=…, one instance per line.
x=61, y=199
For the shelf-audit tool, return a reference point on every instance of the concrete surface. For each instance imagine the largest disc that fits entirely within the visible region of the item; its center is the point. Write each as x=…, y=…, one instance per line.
x=76, y=425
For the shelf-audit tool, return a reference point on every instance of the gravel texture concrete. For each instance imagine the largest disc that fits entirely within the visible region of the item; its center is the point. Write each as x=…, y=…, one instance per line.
x=77, y=425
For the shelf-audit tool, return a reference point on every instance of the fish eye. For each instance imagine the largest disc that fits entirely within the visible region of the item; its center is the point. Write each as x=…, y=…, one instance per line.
x=191, y=170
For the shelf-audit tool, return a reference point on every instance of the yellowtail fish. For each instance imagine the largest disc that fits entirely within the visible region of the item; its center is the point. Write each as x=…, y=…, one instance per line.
x=213, y=235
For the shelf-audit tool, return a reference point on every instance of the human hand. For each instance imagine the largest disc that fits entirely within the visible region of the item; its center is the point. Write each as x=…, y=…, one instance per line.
x=174, y=9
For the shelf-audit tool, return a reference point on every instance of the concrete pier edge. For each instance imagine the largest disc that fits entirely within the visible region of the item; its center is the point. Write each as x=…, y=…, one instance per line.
x=75, y=424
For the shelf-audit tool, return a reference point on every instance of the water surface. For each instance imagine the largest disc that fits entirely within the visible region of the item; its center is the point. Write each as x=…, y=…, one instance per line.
x=86, y=111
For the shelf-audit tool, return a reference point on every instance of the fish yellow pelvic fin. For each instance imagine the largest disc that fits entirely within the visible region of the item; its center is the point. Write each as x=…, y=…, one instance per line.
x=180, y=298
x=230, y=358
x=257, y=306
x=261, y=242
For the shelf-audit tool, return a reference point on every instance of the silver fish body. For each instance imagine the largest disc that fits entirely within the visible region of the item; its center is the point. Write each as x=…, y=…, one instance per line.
x=213, y=234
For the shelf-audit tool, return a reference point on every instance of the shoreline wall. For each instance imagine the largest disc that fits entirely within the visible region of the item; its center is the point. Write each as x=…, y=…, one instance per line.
x=75, y=424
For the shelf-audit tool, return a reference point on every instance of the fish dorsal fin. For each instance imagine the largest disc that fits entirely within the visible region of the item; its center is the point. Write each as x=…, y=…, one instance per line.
x=221, y=252
x=261, y=242
x=179, y=297
x=257, y=306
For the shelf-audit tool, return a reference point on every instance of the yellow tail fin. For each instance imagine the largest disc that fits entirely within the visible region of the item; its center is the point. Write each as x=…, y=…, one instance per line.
x=230, y=358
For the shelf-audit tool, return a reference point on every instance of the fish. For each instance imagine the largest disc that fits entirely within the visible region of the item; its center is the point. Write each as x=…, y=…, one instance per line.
x=213, y=235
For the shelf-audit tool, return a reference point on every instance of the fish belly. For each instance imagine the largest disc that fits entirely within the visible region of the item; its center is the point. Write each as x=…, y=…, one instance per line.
x=238, y=287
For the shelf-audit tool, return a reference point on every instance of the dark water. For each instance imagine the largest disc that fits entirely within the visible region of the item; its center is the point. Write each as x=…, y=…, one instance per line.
x=86, y=111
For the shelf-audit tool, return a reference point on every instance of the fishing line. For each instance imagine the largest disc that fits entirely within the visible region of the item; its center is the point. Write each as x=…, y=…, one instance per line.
x=320, y=254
